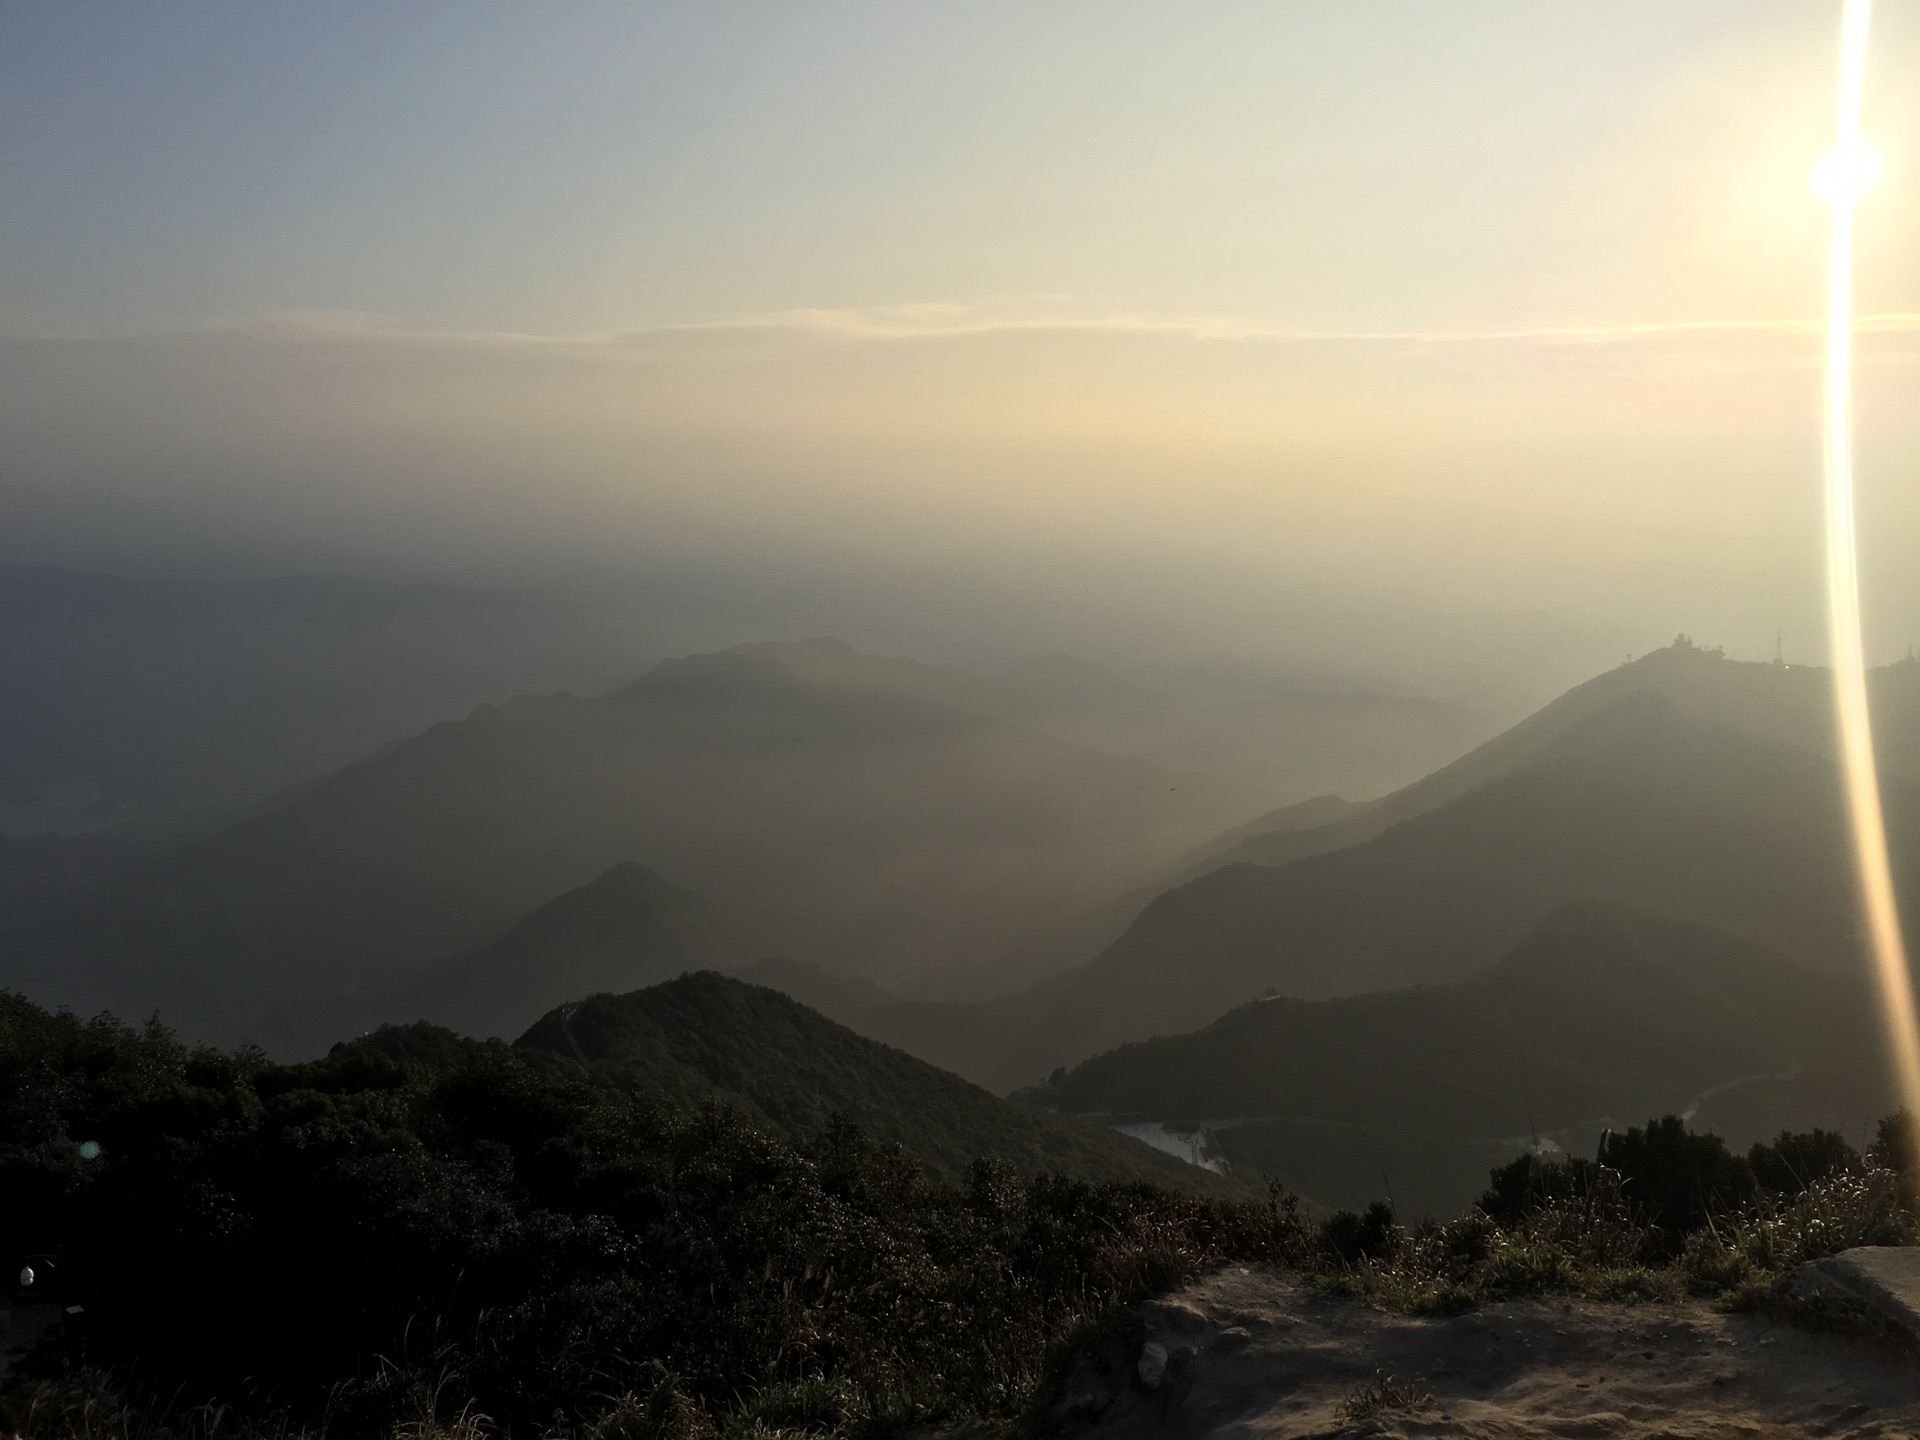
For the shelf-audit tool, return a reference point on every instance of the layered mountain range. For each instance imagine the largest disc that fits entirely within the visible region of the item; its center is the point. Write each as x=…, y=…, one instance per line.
x=1626, y=791
x=1639, y=899
x=1598, y=1018
x=840, y=820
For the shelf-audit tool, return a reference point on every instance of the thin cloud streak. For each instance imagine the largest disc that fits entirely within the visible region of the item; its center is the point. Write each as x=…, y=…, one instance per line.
x=944, y=321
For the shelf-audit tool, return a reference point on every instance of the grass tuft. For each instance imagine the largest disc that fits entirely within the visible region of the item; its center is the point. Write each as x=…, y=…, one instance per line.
x=1382, y=1395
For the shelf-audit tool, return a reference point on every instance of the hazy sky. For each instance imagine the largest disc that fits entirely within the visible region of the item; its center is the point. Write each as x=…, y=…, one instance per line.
x=1457, y=305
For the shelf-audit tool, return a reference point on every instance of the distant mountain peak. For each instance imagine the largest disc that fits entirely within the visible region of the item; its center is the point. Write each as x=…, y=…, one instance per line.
x=615, y=891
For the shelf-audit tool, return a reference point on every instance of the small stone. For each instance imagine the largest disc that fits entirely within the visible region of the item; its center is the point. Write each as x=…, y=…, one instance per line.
x=1234, y=1337
x=1153, y=1364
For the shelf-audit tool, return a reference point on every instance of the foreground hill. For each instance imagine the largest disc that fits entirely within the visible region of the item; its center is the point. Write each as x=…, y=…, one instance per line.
x=623, y=931
x=1597, y=1019
x=709, y=1036
x=831, y=821
x=1638, y=804
x=269, y=1243
x=261, y=1242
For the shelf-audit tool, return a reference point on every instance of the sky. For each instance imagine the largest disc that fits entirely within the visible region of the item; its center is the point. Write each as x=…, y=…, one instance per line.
x=1188, y=316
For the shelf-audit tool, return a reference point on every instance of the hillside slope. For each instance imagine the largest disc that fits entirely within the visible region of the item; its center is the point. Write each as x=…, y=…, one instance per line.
x=1600, y=1017
x=1790, y=704
x=876, y=832
x=1637, y=803
x=708, y=1035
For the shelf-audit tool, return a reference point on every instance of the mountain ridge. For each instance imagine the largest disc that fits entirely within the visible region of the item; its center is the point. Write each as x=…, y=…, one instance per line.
x=1636, y=802
x=1467, y=877
x=1790, y=704
x=879, y=831
x=705, y=1035
x=1600, y=1016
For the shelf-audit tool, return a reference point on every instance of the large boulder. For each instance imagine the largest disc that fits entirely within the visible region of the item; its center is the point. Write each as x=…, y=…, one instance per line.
x=1882, y=1280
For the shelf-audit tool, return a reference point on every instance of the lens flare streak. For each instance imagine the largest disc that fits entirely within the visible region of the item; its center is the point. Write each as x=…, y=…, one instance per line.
x=1847, y=171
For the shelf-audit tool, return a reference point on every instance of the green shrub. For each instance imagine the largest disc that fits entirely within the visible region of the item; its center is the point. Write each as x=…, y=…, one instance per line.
x=1714, y=1261
x=1529, y=1183
x=421, y=1231
x=426, y=1238
x=1793, y=1162
x=1896, y=1147
x=1681, y=1179
x=1348, y=1237
x=1831, y=1215
x=1574, y=1226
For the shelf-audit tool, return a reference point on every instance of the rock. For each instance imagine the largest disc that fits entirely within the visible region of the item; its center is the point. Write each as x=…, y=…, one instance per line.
x=1883, y=1280
x=1153, y=1364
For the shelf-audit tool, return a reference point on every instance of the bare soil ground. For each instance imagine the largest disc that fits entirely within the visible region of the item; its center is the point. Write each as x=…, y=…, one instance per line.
x=1255, y=1354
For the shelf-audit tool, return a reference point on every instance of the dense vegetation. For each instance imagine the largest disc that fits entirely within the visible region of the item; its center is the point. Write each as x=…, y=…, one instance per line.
x=421, y=1225
x=1661, y=1212
x=705, y=1036
x=422, y=1234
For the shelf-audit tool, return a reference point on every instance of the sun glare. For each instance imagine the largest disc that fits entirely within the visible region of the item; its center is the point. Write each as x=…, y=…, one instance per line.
x=1846, y=173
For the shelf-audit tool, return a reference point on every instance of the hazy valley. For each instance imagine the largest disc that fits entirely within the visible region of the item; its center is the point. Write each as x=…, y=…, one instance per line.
x=954, y=721
x=843, y=984
x=881, y=839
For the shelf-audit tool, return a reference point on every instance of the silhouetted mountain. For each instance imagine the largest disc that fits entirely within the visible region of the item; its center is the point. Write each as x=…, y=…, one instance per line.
x=625, y=930
x=834, y=822
x=1060, y=947
x=1635, y=802
x=175, y=703
x=708, y=1035
x=1599, y=1018
x=1792, y=704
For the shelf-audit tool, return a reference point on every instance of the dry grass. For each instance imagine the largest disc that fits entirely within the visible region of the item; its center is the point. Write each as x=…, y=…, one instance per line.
x=1382, y=1394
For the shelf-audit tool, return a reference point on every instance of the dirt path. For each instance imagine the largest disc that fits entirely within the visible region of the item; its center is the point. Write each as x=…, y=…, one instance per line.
x=1250, y=1354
